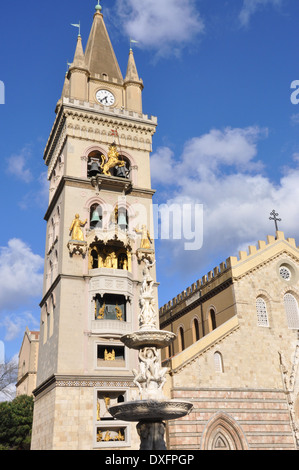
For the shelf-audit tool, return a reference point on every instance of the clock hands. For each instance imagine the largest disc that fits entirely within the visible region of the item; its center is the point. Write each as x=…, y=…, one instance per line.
x=105, y=98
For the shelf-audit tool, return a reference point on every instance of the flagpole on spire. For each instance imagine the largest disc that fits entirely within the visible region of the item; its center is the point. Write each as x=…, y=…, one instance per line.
x=77, y=26
x=132, y=41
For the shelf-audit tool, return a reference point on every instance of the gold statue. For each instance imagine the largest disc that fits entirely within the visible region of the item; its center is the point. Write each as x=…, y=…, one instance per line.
x=75, y=229
x=145, y=237
x=119, y=313
x=99, y=436
x=113, y=160
x=101, y=313
x=120, y=436
x=98, y=411
x=107, y=436
x=107, y=402
x=109, y=356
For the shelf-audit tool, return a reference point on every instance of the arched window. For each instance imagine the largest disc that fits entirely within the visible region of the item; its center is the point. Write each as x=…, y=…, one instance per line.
x=96, y=216
x=121, y=217
x=93, y=164
x=212, y=319
x=123, y=171
x=195, y=330
x=292, y=313
x=218, y=362
x=261, y=311
x=181, y=339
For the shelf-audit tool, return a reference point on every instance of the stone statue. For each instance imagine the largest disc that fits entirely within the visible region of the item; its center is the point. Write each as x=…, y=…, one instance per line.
x=151, y=435
x=147, y=316
x=151, y=377
x=75, y=229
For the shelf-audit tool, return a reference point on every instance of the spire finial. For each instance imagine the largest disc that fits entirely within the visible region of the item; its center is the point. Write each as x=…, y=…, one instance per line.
x=98, y=7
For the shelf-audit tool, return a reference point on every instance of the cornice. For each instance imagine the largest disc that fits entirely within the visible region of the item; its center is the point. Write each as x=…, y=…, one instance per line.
x=86, y=184
x=66, y=381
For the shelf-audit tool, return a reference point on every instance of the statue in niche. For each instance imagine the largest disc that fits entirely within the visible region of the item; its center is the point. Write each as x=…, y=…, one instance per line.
x=107, y=436
x=145, y=237
x=75, y=229
x=109, y=356
x=101, y=313
x=108, y=262
x=119, y=313
x=120, y=436
x=123, y=262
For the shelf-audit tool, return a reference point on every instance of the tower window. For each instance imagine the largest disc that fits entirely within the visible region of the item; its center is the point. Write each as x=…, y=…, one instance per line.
x=110, y=356
x=96, y=216
x=123, y=171
x=94, y=164
x=109, y=431
x=261, y=311
x=110, y=307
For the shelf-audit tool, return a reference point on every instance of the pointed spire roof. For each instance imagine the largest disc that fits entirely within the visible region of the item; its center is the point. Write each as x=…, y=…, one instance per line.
x=79, y=59
x=99, y=54
x=132, y=74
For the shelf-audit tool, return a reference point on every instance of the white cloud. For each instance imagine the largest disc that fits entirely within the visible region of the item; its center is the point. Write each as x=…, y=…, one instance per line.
x=15, y=324
x=250, y=7
x=165, y=25
x=20, y=274
x=220, y=171
x=16, y=165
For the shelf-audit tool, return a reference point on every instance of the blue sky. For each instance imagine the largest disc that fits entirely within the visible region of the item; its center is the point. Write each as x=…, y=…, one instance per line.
x=218, y=76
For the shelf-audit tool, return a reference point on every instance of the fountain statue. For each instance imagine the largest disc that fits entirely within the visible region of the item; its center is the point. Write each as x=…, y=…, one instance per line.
x=152, y=409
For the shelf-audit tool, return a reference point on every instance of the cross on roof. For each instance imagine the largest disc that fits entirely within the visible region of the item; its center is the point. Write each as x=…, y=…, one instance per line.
x=275, y=214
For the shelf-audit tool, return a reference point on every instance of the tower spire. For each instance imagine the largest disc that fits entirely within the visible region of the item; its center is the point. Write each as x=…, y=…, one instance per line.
x=99, y=54
x=133, y=85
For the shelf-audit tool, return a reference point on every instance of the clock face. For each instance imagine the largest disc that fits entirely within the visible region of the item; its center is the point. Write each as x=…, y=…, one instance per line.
x=105, y=97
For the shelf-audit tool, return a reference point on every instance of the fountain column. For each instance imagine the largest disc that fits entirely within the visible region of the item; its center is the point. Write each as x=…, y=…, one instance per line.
x=152, y=409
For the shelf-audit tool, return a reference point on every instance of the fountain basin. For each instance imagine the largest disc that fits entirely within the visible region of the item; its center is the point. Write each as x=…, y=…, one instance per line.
x=148, y=338
x=150, y=410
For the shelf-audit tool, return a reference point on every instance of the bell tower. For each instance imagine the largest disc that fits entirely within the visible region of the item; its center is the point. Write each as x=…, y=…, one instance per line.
x=99, y=231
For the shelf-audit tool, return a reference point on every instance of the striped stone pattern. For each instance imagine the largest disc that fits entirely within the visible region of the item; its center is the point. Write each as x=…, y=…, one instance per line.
x=262, y=416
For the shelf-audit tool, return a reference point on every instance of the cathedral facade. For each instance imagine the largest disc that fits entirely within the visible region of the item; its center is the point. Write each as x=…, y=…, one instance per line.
x=237, y=352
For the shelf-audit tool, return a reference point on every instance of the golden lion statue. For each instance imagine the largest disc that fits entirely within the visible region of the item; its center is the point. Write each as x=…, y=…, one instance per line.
x=112, y=162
